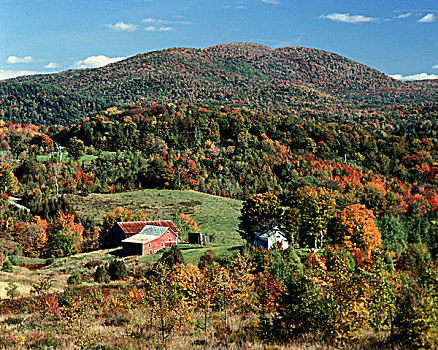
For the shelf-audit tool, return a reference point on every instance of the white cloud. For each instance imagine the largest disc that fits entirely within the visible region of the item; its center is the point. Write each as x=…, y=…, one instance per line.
x=273, y=2
x=52, y=65
x=159, y=29
x=418, y=76
x=15, y=59
x=239, y=7
x=347, y=18
x=97, y=61
x=161, y=22
x=429, y=18
x=121, y=27
x=404, y=15
x=8, y=74
x=435, y=66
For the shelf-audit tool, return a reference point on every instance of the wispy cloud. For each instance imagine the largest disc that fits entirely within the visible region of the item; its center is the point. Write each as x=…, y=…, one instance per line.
x=347, y=18
x=419, y=76
x=159, y=29
x=435, y=66
x=15, y=59
x=97, y=61
x=429, y=18
x=160, y=22
x=52, y=65
x=404, y=15
x=238, y=7
x=273, y=2
x=8, y=74
x=122, y=27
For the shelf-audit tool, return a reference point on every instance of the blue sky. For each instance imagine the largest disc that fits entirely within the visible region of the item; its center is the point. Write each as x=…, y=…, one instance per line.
x=397, y=37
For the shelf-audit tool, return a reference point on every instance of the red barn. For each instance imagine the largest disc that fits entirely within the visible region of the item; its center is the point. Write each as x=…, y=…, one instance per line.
x=150, y=240
x=123, y=230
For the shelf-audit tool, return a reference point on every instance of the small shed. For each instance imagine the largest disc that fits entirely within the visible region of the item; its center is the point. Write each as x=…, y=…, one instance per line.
x=269, y=237
x=150, y=240
x=198, y=238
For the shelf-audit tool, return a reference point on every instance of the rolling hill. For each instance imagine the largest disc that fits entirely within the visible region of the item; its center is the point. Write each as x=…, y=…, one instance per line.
x=286, y=80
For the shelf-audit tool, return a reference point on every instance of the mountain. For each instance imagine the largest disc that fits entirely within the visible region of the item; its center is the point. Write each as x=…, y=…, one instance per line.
x=297, y=80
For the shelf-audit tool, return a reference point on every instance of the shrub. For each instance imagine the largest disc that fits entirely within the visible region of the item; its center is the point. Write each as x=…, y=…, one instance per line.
x=172, y=256
x=12, y=290
x=74, y=279
x=206, y=259
x=7, y=266
x=101, y=275
x=117, y=270
x=14, y=260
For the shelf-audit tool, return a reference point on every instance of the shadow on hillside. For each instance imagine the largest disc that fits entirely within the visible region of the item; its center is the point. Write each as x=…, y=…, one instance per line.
x=119, y=253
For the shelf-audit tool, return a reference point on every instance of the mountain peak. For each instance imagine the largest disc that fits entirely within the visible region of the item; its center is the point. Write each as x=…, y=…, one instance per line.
x=241, y=49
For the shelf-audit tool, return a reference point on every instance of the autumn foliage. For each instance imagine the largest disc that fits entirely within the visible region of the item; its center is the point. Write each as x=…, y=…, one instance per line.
x=358, y=230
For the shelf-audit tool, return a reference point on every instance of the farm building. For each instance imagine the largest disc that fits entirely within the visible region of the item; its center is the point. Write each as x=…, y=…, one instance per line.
x=198, y=238
x=150, y=240
x=123, y=230
x=269, y=237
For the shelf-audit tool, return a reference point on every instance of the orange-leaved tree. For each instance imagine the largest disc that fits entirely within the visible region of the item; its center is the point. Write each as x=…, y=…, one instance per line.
x=32, y=237
x=357, y=230
x=64, y=236
x=119, y=214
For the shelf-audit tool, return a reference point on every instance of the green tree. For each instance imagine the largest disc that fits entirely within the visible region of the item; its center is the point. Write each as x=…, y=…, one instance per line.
x=101, y=274
x=172, y=256
x=257, y=210
x=316, y=207
x=117, y=269
x=75, y=148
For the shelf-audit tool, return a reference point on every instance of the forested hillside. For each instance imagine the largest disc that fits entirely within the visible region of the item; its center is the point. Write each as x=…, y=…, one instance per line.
x=301, y=81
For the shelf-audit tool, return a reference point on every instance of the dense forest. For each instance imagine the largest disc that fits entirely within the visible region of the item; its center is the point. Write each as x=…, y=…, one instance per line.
x=234, y=153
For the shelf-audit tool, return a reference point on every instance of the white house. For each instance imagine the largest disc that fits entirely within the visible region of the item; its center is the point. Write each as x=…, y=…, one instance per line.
x=269, y=237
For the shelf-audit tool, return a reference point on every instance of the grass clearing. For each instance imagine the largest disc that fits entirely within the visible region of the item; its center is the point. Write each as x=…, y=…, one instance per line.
x=217, y=217
x=192, y=253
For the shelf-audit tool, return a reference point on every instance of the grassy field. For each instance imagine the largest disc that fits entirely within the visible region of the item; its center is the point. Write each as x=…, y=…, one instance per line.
x=217, y=217
x=192, y=253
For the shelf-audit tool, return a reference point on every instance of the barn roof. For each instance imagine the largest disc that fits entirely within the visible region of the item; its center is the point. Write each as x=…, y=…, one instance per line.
x=164, y=223
x=132, y=227
x=148, y=233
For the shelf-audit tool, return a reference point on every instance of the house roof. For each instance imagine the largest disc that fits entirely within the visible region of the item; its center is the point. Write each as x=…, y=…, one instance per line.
x=147, y=234
x=132, y=227
x=164, y=223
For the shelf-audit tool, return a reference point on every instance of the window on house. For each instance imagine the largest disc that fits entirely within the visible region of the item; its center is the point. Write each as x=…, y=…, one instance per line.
x=162, y=244
x=155, y=251
x=149, y=245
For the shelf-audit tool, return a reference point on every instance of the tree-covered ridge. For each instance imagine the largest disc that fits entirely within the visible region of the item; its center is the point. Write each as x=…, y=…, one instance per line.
x=326, y=72
x=306, y=82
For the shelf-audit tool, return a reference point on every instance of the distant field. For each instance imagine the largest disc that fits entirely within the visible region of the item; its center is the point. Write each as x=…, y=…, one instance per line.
x=217, y=217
